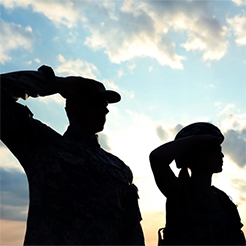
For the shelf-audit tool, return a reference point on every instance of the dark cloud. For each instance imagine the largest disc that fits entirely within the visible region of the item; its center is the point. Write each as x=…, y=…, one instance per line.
x=18, y=213
x=103, y=139
x=172, y=8
x=135, y=25
x=234, y=146
x=162, y=134
x=14, y=194
x=176, y=129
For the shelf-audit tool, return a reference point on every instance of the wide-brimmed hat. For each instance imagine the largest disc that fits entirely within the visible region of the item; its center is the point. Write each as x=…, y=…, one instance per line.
x=92, y=90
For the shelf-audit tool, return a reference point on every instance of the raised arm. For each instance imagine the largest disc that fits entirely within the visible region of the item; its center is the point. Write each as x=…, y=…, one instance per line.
x=19, y=131
x=22, y=84
x=18, y=128
x=162, y=157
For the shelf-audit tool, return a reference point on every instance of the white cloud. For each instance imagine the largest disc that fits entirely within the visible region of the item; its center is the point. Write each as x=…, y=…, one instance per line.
x=227, y=109
x=120, y=73
x=131, y=29
x=127, y=5
x=145, y=28
x=58, y=12
x=109, y=84
x=231, y=118
x=204, y=32
x=132, y=67
x=238, y=26
x=232, y=124
x=10, y=4
x=76, y=68
x=208, y=36
x=28, y=63
x=61, y=58
x=57, y=98
x=86, y=70
x=235, y=146
x=239, y=2
x=135, y=38
x=13, y=37
x=37, y=60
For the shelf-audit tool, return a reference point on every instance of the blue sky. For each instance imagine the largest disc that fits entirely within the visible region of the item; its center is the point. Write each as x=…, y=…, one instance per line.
x=173, y=62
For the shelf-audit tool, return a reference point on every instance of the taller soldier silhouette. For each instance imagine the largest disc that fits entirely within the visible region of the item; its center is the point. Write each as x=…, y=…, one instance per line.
x=79, y=193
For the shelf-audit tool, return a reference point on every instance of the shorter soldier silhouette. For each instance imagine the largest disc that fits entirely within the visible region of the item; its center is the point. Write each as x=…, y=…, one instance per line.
x=197, y=213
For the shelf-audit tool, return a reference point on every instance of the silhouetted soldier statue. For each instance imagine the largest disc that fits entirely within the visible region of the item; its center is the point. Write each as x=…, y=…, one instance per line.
x=79, y=193
x=197, y=213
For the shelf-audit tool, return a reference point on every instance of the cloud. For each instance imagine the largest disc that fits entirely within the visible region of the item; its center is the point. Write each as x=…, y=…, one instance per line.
x=211, y=40
x=190, y=18
x=162, y=134
x=176, y=129
x=168, y=133
x=120, y=73
x=65, y=13
x=57, y=98
x=239, y=2
x=234, y=146
x=239, y=185
x=76, y=67
x=109, y=84
x=87, y=70
x=128, y=29
x=136, y=37
x=11, y=4
x=238, y=26
x=204, y=32
x=13, y=37
x=147, y=29
x=13, y=187
x=14, y=194
x=231, y=117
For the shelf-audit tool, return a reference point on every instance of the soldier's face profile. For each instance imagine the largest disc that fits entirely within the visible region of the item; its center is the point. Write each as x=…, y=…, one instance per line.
x=92, y=114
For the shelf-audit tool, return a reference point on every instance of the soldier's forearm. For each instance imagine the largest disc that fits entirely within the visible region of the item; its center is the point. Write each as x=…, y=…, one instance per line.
x=23, y=84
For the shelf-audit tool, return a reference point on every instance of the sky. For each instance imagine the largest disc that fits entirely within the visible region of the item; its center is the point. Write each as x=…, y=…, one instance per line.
x=173, y=62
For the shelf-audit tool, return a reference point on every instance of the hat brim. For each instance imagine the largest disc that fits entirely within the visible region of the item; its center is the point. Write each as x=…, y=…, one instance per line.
x=110, y=96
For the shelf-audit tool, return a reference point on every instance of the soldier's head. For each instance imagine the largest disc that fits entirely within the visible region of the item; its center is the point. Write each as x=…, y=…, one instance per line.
x=204, y=157
x=87, y=107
